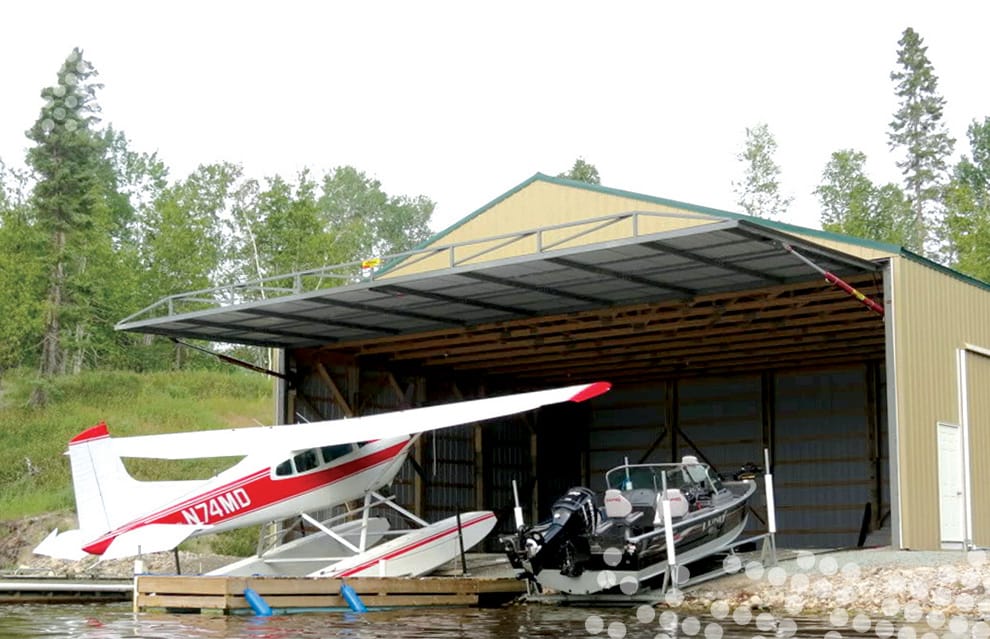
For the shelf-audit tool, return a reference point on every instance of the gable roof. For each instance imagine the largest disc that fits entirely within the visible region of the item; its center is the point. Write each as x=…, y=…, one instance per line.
x=892, y=249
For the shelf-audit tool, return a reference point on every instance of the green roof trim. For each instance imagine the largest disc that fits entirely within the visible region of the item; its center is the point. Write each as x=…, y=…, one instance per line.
x=893, y=249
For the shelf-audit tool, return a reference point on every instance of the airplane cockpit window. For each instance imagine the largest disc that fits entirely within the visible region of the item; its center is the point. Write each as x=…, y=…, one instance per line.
x=284, y=469
x=306, y=460
x=331, y=453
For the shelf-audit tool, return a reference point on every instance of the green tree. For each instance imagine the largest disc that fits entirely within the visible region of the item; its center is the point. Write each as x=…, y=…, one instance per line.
x=71, y=203
x=184, y=245
x=968, y=205
x=22, y=273
x=364, y=221
x=759, y=192
x=285, y=230
x=853, y=205
x=582, y=172
x=919, y=133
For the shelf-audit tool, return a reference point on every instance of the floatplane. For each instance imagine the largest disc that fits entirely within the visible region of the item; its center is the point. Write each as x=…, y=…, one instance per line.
x=286, y=471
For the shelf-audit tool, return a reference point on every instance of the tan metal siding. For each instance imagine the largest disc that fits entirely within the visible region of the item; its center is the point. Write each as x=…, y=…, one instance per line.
x=978, y=395
x=541, y=205
x=934, y=314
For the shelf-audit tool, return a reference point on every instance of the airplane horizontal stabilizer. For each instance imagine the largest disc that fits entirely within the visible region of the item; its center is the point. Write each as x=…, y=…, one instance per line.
x=246, y=441
x=67, y=545
x=148, y=539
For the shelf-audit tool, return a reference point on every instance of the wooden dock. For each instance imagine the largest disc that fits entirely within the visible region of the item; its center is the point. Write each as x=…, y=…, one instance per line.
x=21, y=590
x=225, y=595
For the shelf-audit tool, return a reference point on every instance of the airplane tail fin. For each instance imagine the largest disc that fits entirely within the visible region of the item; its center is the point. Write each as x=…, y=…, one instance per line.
x=103, y=491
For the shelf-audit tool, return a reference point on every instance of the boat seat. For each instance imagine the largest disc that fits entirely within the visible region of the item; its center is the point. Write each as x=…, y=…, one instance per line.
x=678, y=503
x=616, y=504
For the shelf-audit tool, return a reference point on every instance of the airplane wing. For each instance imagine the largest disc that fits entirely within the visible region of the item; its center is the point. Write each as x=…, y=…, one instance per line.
x=245, y=441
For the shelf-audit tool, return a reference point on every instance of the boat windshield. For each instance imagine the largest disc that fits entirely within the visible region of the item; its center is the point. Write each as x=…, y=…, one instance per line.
x=651, y=476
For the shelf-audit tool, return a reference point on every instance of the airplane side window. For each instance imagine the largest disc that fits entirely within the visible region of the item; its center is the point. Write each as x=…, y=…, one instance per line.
x=284, y=469
x=331, y=453
x=306, y=460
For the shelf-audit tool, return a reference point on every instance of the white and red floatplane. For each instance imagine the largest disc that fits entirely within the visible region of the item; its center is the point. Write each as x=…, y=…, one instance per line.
x=285, y=471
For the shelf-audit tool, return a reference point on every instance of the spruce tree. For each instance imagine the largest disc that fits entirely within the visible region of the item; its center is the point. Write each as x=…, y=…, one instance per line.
x=66, y=159
x=919, y=133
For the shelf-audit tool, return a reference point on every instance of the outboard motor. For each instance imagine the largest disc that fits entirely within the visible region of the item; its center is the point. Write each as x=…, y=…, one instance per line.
x=562, y=541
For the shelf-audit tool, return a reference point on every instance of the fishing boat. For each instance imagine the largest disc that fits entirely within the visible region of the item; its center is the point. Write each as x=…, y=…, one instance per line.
x=622, y=538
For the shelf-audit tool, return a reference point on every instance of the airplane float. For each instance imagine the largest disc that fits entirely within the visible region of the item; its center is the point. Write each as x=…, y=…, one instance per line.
x=286, y=471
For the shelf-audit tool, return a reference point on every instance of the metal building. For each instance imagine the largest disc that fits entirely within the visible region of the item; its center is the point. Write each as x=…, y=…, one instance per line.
x=718, y=333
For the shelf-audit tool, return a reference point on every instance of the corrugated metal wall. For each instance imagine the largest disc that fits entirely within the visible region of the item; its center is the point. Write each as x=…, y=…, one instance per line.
x=824, y=427
x=629, y=421
x=934, y=314
x=723, y=418
x=448, y=458
x=822, y=468
x=721, y=421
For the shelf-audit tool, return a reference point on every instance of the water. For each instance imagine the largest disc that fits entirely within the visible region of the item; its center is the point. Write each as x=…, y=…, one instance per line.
x=117, y=621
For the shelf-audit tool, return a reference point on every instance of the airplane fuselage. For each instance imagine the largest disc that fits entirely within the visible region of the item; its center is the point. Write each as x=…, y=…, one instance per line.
x=253, y=492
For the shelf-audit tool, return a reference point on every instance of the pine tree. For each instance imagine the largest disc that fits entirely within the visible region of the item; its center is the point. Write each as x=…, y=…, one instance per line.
x=918, y=131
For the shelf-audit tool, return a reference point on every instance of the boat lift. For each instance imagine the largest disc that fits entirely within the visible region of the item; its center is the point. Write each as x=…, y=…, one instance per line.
x=671, y=576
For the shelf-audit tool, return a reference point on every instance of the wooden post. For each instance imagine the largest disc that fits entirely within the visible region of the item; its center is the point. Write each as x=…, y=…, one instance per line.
x=479, y=468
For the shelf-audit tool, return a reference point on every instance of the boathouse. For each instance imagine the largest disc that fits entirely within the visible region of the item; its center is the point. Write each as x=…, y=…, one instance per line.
x=719, y=332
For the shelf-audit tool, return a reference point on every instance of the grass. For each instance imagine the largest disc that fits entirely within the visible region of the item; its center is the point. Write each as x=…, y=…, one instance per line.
x=34, y=474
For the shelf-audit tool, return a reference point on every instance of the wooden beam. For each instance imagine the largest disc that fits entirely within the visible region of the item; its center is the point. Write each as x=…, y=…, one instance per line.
x=478, y=339
x=338, y=398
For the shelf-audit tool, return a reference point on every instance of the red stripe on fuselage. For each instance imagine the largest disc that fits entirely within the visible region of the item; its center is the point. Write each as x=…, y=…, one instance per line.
x=262, y=488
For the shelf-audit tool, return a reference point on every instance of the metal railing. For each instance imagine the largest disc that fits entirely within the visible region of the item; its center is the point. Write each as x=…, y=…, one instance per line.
x=544, y=239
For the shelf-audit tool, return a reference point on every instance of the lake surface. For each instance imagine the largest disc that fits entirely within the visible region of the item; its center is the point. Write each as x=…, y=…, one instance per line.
x=524, y=621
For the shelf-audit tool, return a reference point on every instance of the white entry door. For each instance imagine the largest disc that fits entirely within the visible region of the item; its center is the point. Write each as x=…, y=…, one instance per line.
x=950, y=483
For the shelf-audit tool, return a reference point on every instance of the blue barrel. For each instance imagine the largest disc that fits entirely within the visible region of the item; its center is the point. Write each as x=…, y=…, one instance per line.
x=353, y=601
x=258, y=605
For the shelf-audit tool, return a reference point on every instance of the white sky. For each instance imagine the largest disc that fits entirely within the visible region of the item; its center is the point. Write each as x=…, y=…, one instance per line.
x=461, y=101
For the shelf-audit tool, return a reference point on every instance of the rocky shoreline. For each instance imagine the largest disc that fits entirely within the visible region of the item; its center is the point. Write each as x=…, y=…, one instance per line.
x=913, y=586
